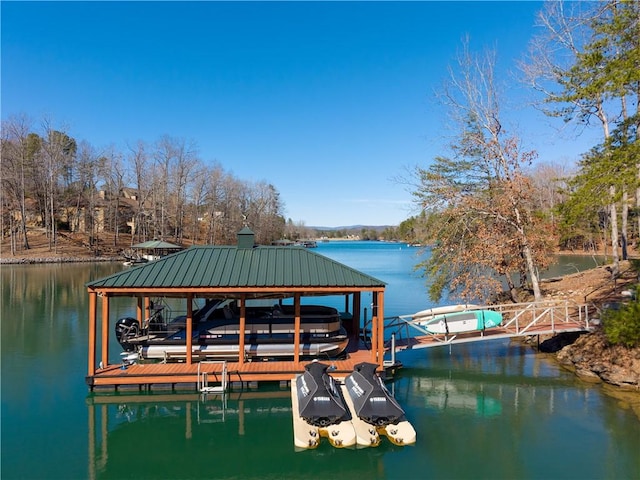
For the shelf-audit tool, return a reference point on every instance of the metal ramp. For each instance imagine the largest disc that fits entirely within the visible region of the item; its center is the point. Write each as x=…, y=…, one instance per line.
x=204, y=386
x=519, y=320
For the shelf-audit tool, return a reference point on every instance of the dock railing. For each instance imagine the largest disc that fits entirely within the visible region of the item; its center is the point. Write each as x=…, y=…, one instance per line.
x=519, y=319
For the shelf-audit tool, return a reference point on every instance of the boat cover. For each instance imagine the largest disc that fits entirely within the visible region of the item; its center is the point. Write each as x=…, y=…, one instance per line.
x=372, y=401
x=320, y=402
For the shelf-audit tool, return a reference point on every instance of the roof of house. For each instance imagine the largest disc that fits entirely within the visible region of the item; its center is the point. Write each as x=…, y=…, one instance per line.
x=152, y=244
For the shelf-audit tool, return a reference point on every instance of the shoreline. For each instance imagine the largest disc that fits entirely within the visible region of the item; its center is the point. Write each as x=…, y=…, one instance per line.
x=44, y=260
x=577, y=355
x=35, y=259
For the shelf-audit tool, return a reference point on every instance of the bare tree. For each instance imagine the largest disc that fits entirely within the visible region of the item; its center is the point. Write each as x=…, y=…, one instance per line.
x=214, y=198
x=185, y=159
x=550, y=184
x=198, y=195
x=90, y=166
x=53, y=180
x=480, y=200
x=263, y=211
x=139, y=162
x=164, y=156
x=16, y=155
x=57, y=154
x=115, y=175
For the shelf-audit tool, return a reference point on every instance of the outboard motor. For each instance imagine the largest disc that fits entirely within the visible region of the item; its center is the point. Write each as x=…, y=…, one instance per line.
x=126, y=329
x=372, y=401
x=319, y=399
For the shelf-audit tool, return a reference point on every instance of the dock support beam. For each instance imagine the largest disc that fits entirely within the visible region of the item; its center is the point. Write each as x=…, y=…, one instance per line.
x=189, y=328
x=93, y=314
x=105, y=330
x=380, y=344
x=243, y=326
x=296, y=329
x=374, y=329
x=142, y=309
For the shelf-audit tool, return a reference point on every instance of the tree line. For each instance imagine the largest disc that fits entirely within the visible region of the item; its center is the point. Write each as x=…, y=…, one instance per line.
x=491, y=212
x=161, y=190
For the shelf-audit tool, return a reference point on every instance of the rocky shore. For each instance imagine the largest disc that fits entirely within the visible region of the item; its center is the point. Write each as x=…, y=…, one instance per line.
x=589, y=355
x=593, y=359
x=615, y=367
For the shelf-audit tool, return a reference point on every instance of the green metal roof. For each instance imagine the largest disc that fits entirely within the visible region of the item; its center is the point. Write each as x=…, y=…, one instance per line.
x=233, y=267
x=151, y=244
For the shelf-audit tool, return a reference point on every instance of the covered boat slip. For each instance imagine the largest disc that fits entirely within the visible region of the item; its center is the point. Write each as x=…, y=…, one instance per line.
x=285, y=277
x=268, y=333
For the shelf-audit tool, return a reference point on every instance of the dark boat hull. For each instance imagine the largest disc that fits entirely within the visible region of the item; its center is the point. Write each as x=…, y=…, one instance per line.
x=372, y=401
x=320, y=402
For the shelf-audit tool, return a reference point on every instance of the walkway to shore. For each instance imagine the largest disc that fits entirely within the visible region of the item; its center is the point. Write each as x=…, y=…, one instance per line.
x=519, y=320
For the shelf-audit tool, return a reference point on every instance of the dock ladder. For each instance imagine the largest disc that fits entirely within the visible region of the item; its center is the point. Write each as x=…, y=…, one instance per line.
x=203, y=377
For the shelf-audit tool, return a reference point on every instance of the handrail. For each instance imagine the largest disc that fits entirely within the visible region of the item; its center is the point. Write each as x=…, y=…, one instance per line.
x=553, y=313
x=203, y=378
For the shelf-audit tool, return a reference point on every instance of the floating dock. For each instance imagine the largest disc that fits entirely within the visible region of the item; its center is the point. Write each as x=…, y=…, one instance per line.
x=366, y=434
x=340, y=435
x=353, y=432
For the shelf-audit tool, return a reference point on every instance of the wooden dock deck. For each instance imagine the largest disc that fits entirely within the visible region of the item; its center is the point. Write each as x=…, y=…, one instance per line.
x=172, y=375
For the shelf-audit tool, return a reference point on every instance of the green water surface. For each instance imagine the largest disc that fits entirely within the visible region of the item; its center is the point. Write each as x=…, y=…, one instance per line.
x=495, y=410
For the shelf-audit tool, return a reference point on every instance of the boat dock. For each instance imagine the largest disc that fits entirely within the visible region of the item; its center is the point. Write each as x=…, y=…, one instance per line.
x=520, y=320
x=284, y=276
x=245, y=273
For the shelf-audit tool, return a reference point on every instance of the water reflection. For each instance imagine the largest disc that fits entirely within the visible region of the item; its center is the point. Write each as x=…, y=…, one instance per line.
x=44, y=307
x=461, y=395
x=43, y=312
x=146, y=436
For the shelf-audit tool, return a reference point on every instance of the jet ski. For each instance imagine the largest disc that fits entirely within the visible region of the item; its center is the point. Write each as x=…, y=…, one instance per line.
x=372, y=401
x=320, y=402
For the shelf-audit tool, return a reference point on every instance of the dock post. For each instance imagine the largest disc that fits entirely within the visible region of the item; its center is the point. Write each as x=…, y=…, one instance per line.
x=393, y=348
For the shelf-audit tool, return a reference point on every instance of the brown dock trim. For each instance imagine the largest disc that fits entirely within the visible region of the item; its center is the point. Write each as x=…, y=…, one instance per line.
x=172, y=374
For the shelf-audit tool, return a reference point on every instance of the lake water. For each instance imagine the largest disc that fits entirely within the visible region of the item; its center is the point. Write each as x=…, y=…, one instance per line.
x=484, y=410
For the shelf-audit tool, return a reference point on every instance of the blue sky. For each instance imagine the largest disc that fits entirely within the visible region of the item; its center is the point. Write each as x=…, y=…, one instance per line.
x=328, y=101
